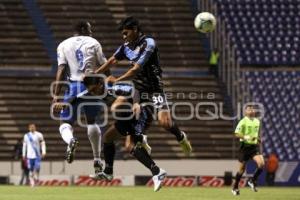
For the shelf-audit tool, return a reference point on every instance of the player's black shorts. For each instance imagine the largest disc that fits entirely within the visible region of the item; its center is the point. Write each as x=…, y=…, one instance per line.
x=135, y=126
x=247, y=151
x=157, y=100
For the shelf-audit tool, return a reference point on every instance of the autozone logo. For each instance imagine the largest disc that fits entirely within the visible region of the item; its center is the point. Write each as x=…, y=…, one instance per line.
x=176, y=182
x=214, y=181
x=211, y=181
x=87, y=181
x=53, y=182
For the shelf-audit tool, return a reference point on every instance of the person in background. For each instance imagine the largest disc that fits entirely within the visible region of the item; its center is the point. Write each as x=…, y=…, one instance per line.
x=213, y=62
x=34, y=149
x=271, y=167
x=18, y=156
x=248, y=132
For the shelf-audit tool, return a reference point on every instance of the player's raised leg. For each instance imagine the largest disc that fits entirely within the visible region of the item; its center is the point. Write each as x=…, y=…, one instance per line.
x=68, y=115
x=109, y=151
x=140, y=152
x=165, y=120
x=158, y=174
x=94, y=133
x=66, y=132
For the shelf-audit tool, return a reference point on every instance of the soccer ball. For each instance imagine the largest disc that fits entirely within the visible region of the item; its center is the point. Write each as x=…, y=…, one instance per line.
x=205, y=22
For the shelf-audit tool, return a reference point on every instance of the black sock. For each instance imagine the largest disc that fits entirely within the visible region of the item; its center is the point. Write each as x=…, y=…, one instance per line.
x=257, y=172
x=137, y=138
x=238, y=177
x=141, y=155
x=109, y=155
x=175, y=131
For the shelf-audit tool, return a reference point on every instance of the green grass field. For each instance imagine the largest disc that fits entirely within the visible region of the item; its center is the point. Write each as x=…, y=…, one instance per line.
x=143, y=193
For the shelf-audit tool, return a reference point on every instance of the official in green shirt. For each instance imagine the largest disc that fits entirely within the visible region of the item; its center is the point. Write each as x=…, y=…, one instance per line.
x=213, y=62
x=247, y=131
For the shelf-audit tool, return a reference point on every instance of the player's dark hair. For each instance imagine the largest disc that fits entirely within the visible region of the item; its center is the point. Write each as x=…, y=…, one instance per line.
x=129, y=23
x=82, y=27
x=92, y=80
x=249, y=105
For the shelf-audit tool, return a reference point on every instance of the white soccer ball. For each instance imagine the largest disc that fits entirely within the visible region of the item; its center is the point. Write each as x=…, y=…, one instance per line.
x=205, y=22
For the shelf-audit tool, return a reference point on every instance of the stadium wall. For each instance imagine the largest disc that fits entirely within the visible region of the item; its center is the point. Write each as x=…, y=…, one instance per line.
x=193, y=172
x=129, y=167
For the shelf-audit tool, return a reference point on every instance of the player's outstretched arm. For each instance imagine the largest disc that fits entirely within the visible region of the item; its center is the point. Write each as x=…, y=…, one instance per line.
x=130, y=73
x=59, y=77
x=103, y=68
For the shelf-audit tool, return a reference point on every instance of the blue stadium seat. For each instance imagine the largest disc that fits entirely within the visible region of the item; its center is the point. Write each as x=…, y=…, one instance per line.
x=277, y=91
x=265, y=20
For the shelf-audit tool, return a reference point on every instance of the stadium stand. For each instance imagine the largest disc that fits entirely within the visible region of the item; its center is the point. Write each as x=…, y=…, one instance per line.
x=211, y=139
x=94, y=11
x=259, y=41
x=168, y=25
x=20, y=45
x=263, y=34
x=21, y=105
x=278, y=91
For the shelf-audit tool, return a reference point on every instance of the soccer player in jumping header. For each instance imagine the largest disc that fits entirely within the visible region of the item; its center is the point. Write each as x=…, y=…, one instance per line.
x=247, y=131
x=34, y=149
x=76, y=56
x=146, y=74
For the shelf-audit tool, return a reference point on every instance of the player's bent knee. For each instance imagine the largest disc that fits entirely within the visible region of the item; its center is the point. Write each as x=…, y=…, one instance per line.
x=64, y=126
x=165, y=123
x=129, y=147
x=117, y=104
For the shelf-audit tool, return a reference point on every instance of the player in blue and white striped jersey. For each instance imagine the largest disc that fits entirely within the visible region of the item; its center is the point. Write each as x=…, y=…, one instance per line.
x=34, y=149
x=76, y=56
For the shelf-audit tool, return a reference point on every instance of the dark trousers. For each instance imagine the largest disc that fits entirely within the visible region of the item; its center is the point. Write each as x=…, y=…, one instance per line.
x=24, y=177
x=270, y=177
x=213, y=69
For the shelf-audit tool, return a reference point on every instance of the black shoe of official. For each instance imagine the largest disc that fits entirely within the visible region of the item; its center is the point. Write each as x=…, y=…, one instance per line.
x=252, y=185
x=71, y=150
x=235, y=191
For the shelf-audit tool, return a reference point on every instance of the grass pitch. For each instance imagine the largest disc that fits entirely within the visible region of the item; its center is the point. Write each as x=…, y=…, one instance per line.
x=143, y=193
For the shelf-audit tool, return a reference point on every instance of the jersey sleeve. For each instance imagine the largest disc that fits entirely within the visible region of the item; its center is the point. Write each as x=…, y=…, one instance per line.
x=100, y=55
x=240, y=128
x=41, y=137
x=61, y=58
x=119, y=54
x=43, y=143
x=149, y=49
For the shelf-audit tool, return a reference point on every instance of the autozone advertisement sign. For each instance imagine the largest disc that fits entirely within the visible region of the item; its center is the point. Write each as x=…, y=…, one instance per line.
x=170, y=181
x=178, y=181
x=53, y=180
x=63, y=180
x=186, y=181
x=117, y=181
